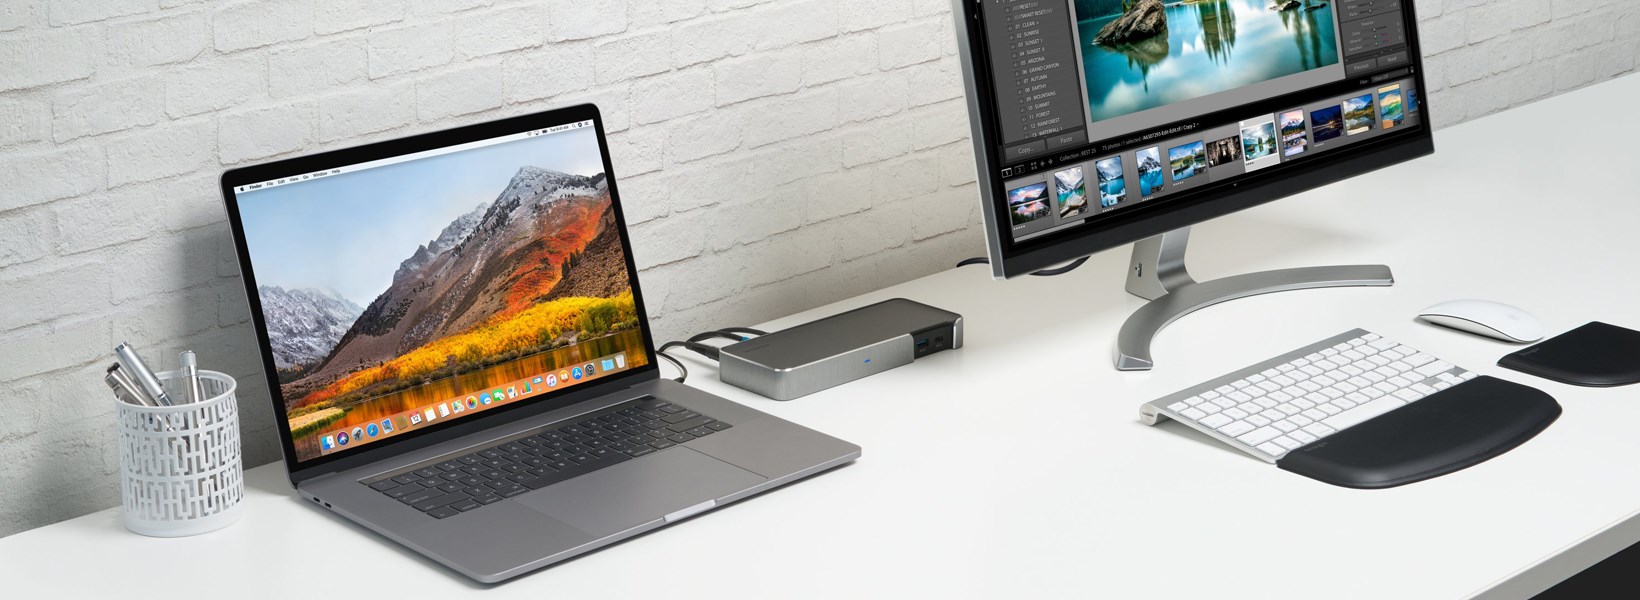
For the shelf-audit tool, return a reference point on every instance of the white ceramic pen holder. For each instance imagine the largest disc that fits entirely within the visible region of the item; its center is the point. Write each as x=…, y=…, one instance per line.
x=180, y=467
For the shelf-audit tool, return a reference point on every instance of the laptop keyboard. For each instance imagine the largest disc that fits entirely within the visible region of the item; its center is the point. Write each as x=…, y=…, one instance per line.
x=545, y=456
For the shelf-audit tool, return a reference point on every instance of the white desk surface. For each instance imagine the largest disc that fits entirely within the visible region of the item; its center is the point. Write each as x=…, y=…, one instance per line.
x=1017, y=465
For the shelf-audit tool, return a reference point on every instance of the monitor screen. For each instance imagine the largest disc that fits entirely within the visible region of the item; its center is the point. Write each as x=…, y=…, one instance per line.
x=402, y=294
x=1096, y=110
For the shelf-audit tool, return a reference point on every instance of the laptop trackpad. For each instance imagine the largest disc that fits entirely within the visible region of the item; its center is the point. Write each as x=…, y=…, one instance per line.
x=639, y=491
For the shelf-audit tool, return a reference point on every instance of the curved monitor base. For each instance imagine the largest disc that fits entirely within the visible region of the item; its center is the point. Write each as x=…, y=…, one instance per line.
x=1159, y=274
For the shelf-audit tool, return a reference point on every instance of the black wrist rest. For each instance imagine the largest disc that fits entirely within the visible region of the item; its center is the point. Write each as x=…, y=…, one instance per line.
x=1452, y=429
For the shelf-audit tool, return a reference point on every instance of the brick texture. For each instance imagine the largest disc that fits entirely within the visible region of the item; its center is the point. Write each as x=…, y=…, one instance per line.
x=835, y=125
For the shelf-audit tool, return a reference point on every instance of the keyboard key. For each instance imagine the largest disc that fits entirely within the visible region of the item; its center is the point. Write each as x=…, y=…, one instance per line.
x=1215, y=421
x=487, y=499
x=436, y=501
x=1235, y=413
x=465, y=505
x=1271, y=449
x=384, y=485
x=718, y=426
x=1178, y=406
x=1258, y=421
x=403, y=490
x=1408, y=395
x=1287, y=442
x=443, y=512
x=1285, y=426
x=1360, y=413
x=1302, y=437
x=686, y=425
x=1259, y=436
x=1209, y=408
x=1317, y=429
x=510, y=491
x=1236, y=428
x=1419, y=359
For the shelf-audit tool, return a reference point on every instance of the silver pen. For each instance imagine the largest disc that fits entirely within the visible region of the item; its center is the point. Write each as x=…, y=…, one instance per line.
x=192, y=387
x=124, y=389
x=140, y=373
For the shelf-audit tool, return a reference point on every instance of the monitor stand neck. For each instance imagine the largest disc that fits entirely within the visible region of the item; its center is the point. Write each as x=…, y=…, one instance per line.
x=1158, y=274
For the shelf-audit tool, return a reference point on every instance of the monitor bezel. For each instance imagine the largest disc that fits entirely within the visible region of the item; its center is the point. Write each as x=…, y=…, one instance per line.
x=1160, y=217
x=300, y=470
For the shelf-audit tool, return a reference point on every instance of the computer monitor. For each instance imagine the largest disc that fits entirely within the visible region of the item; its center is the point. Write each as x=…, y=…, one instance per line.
x=1098, y=123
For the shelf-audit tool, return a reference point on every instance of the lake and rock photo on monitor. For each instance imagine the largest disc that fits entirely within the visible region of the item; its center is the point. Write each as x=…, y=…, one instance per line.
x=1143, y=54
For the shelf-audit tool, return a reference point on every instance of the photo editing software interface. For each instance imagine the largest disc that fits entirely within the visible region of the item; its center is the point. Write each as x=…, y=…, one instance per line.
x=1101, y=105
x=405, y=293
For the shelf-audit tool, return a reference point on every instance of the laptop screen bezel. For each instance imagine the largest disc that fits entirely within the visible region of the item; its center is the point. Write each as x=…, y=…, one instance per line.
x=300, y=470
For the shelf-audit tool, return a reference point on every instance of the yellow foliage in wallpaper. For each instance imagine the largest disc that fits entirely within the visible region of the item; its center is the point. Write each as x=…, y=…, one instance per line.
x=531, y=330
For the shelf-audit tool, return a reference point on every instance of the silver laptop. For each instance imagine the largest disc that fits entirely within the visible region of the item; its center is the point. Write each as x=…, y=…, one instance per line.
x=454, y=334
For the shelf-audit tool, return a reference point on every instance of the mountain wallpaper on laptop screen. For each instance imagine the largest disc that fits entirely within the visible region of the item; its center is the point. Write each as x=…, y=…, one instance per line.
x=529, y=282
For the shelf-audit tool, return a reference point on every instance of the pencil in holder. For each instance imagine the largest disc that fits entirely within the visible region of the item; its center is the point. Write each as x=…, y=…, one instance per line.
x=181, y=472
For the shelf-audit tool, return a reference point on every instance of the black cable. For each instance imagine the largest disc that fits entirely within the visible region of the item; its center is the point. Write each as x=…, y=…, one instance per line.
x=683, y=372
x=707, y=350
x=1070, y=266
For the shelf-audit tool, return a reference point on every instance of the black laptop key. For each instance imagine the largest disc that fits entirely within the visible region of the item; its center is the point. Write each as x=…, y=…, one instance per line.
x=464, y=505
x=511, y=490
x=671, y=409
x=467, y=460
x=490, y=453
x=472, y=480
x=492, y=474
x=407, y=478
x=662, y=444
x=384, y=485
x=686, y=425
x=630, y=411
x=595, y=443
x=478, y=490
x=679, y=417
x=455, y=475
x=498, y=483
x=700, y=432
x=431, y=482
x=655, y=424
x=718, y=426
x=449, y=465
x=404, y=490
x=432, y=502
x=680, y=437
x=524, y=480
x=510, y=447
x=443, y=512
x=450, y=487
x=487, y=499
x=573, y=449
x=530, y=441
x=426, y=472
x=581, y=459
x=474, y=469
x=640, y=451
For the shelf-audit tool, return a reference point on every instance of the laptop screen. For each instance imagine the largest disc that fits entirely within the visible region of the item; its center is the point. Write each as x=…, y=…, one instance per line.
x=409, y=292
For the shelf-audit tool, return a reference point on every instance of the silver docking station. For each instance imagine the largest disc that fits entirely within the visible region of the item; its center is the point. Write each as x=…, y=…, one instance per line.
x=828, y=352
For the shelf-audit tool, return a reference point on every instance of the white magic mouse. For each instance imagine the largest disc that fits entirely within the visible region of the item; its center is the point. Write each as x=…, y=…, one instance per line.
x=1486, y=318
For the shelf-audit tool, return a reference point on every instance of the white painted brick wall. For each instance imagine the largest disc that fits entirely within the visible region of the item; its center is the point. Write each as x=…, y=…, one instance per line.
x=775, y=155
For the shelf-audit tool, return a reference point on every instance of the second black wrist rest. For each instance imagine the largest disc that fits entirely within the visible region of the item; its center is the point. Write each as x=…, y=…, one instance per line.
x=1452, y=429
